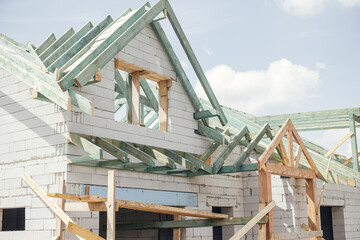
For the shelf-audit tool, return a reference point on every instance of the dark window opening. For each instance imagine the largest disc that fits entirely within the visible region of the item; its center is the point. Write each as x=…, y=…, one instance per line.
x=326, y=223
x=217, y=231
x=13, y=219
x=124, y=216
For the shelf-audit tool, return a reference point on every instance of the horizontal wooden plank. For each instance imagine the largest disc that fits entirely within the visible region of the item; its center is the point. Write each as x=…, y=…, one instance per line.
x=147, y=207
x=190, y=223
x=145, y=73
x=296, y=235
x=289, y=171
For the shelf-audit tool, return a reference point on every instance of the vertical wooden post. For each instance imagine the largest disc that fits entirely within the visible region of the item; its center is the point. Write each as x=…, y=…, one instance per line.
x=129, y=99
x=110, y=206
x=311, y=199
x=354, y=147
x=163, y=109
x=290, y=148
x=1, y=217
x=60, y=202
x=265, y=197
x=177, y=231
x=261, y=227
x=135, y=98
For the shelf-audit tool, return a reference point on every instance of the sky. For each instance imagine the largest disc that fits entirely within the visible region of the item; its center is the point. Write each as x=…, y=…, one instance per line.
x=260, y=56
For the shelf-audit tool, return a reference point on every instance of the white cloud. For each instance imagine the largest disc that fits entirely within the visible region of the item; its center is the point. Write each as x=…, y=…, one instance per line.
x=283, y=82
x=311, y=7
x=320, y=65
x=301, y=7
x=209, y=52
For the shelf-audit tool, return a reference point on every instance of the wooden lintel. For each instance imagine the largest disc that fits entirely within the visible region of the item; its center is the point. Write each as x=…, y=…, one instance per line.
x=131, y=68
x=289, y=171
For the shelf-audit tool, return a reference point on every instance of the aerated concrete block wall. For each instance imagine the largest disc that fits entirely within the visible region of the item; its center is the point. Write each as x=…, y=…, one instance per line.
x=32, y=140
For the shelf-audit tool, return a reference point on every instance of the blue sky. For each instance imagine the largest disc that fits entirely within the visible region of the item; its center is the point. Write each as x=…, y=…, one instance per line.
x=261, y=56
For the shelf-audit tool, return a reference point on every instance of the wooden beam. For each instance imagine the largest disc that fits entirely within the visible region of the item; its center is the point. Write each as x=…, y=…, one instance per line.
x=265, y=197
x=286, y=171
x=72, y=54
x=185, y=82
x=205, y=114
x=149, y=94
x=70, y=225
x=297, y=235
x=177, y=231
x=67, y=44
x=159, y=156
x=163, y=109
x=190, y=223
x=108, y=48
x=341, y=142
x=290, y=148
x=297, y=157
x=45, y=44
x=212, y=134
x=147, y=207
x=135, y=96
x=251, y=146
x=261, y=227
x=349, y=160
x=195, y=63
x=86, y=145
x=253, y=221
x=111, y=206
x=145, y=73
x=354, y=148
x=142, y=156
x=59, y=223
x=206, y=155
x=273, y=144
x=57, y=44
x=311, y=199
x=220, y=160
x=85, y=207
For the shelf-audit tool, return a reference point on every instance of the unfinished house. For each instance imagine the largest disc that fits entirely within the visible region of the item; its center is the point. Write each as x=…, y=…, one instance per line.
x=104, y=137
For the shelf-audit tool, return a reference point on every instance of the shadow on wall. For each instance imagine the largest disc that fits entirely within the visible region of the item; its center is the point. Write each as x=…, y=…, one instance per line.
x=46, y=135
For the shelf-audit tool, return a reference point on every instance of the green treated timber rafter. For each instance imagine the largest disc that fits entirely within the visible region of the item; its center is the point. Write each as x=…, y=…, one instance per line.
x=205, y=114
x=70, y=55
x=213, y=147
x=177, y=66
x=151, y=120
x=220, y=160
x=169, y=162
x=178, y=159
x=200, y=165
x=57, y=44
x=189, y=223
x=195, y=63
x=111, y=46
x=86, y=145
x=45, y=44
x=212, y=133
x=149, y=94
x=250, y=147
x=142, y=156
x=354, y=148
x=68, y=44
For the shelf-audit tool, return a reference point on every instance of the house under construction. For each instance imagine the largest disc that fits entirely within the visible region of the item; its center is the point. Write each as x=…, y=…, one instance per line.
x=104, y=137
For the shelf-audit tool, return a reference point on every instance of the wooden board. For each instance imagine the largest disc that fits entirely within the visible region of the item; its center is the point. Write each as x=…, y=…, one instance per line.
x=296, y=235
x=311, y=200
x=177, y=231
x=253, y=221
x=163, y=108
x=289, y=171
x=145, y=73
x=147, y=207
x=265, y=197
x=111, y=206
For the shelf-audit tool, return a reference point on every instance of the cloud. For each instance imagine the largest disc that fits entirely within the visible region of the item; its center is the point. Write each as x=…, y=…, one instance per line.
x=209, y=52
x=311, y=7
x=320, y=65
x=301, y=7
x=282, y=83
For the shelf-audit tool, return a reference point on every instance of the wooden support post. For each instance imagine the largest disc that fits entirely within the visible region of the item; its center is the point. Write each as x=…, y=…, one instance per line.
x=135, y=107
x=163, y=109
x=111, y=206
x=265, y=197
x=290, y=148
x=354, y=147
x=311, y=198
x=261, y=227
x=59, y=223
x=1, y=217
x=177, y=231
